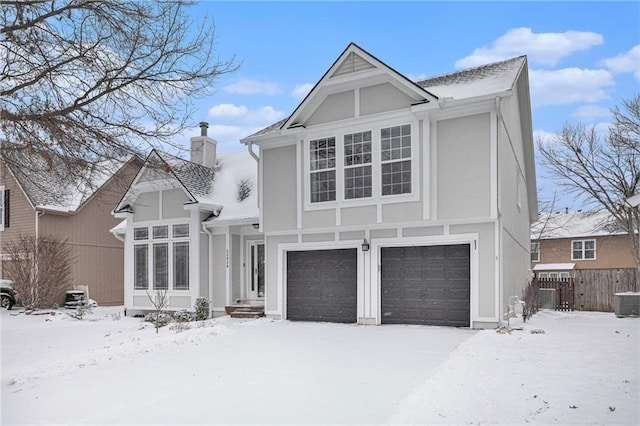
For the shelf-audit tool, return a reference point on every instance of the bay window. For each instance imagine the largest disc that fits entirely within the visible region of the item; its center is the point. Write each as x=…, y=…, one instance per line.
x=169, y=257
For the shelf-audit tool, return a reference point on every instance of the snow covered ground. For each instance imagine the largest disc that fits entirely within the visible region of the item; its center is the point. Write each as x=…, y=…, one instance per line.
x=111, y=369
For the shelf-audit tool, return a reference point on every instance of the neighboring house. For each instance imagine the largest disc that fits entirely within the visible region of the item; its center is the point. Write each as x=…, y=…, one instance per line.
x=563, y=243
x=191, y=228
x=384, y=200
x=44, y=197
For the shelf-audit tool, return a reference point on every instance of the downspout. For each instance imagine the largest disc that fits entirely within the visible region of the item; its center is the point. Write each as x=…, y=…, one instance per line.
x=251, y=153
x=34, y=288
x=499, y=211
x=209, y=264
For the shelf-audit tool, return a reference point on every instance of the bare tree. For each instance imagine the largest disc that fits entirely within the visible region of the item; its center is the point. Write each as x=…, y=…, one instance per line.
x=160, y=302
x=40, y=269
x=602, y=171
x=91, y=80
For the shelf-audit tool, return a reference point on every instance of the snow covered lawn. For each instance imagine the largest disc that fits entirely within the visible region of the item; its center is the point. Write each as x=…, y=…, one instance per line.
x=115, y=370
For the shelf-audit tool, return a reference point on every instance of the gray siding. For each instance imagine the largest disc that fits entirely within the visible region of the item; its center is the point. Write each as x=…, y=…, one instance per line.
x=338, y=106
x=173, y=204
x=218, y=257
x=279, y=188
x=464, y=167
x=147, y=207
x=401, y=212
x=359, y=215
x=382, y=98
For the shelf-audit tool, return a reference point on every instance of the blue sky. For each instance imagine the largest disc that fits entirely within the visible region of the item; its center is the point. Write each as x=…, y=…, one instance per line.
x=584, y=57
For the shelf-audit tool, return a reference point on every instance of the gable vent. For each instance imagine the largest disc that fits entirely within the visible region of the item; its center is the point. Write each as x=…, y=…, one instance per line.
x=352, y=64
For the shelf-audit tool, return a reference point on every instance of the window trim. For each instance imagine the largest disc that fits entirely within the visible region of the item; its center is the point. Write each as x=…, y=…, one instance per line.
x=170, y=242
x=537, y=252
x=377, y=198
x=584, y=250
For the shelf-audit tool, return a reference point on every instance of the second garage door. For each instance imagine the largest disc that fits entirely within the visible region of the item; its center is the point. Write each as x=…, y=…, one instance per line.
x=322, y=285
x=426, y=285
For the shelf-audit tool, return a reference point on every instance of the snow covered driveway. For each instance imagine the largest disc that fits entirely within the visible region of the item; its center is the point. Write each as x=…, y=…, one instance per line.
x=101, y=370
x=584, y=369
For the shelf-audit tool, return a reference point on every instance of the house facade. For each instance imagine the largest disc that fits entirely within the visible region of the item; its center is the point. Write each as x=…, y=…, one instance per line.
x=37, y=201
x=564, y=243
x=383, y=200
x=190, y=229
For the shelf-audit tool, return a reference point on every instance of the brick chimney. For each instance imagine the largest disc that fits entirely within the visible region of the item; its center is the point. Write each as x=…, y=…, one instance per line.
x=203, y=148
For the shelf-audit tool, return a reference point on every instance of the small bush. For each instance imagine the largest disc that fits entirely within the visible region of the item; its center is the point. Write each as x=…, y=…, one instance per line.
x=202, y=309
x=531, y=298
x=184, y=316
x=158, y=319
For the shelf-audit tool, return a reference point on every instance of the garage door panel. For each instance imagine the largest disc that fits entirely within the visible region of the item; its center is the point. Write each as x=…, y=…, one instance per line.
x=426, y=285
x=322, y=285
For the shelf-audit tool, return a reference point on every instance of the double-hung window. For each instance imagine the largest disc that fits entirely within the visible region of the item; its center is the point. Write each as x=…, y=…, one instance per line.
x=583, y=250
x=357, y=165
x=322, y=159
x=535, y=252
x=168, y=247
x=395, y=156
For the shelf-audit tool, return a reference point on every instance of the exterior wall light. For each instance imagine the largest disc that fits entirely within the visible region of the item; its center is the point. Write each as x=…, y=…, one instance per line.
x=365, y=245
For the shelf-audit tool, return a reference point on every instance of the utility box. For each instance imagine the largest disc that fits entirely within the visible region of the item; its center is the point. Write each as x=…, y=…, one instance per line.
x=627, y=304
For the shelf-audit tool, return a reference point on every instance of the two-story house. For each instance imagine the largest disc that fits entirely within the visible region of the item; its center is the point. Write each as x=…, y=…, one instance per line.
x=563, y=243
x=48, y=197
x=378, y=200
x=384, y=200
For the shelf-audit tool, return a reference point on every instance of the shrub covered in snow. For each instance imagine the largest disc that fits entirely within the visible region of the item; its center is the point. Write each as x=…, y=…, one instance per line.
x=158, y=319
x=184, y=316
x=202, y=308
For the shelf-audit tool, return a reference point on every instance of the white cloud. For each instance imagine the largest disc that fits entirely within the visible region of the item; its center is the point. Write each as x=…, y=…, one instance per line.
x=540, y=48
x=253, y=87
x=589, y=112
x=241, y=114
x=544, y=136
x=569, y=85
x=227, y=111
x=625, y=62
x=301, y=90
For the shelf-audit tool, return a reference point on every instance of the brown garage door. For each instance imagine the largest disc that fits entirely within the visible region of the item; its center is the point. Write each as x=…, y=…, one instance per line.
x=322, y=285
x=426, y=285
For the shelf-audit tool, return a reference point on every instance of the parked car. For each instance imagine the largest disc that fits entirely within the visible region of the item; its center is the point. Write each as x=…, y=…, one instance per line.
x=8, y=294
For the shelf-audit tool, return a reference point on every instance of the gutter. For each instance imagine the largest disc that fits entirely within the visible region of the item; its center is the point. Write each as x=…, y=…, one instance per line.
x=251, y=153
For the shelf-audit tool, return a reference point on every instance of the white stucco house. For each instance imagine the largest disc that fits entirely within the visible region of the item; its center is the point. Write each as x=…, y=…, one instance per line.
x=379, y=200
x=384, y=200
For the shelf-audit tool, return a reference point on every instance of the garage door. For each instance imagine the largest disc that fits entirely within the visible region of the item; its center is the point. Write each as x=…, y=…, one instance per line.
x=426, y=285
x=322, y=285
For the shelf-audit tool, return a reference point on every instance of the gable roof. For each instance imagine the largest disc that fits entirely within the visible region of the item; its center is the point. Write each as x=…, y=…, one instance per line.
x=219, y=187
x=489, y=79
x=54, y=184
x=595, y=223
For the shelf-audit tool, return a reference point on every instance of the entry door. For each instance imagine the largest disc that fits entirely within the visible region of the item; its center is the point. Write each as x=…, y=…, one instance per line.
x=256, y=270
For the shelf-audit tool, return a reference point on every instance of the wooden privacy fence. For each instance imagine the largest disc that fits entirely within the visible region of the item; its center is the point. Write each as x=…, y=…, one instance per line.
x=589, y=289
x=596, y=288
x=564, y=291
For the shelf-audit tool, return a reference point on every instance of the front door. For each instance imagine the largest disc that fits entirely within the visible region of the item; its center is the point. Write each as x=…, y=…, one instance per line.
x=256, y=270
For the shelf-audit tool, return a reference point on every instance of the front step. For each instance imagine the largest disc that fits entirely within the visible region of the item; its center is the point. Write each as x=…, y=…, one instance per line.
x=244, y=311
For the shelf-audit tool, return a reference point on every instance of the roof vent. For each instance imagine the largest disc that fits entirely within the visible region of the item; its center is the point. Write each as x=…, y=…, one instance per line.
x=203, y=128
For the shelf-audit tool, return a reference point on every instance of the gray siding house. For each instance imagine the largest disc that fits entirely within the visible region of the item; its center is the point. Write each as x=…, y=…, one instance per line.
x=388, y=201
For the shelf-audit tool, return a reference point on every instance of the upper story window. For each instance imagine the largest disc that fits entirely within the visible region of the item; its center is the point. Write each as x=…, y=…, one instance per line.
x=583, y=250
x=535, y=252
x=395, y=156
x=361, y=165
x=357, y=165
x=322, y=163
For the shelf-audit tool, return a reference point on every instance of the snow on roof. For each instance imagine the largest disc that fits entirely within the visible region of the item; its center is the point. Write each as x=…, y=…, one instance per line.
x=554, y=267
x=574, y=224
x=484, y=80
x=497, y=77
x=55, y=184
x=232, y=183
x=235, y=186
x=120, y=228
